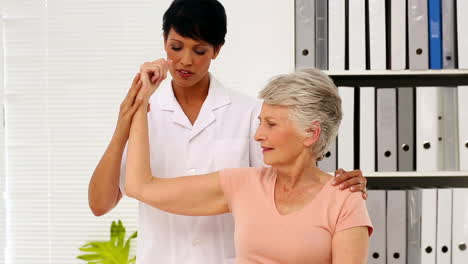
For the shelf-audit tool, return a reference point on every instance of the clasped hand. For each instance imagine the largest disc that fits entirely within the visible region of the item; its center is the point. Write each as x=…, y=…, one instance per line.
x=151, y=75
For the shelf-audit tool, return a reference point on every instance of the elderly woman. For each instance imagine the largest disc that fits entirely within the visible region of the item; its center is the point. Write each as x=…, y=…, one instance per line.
x=287, y=213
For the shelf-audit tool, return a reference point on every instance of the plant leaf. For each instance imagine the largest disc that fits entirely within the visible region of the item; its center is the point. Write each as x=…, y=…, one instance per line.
x=90, y=257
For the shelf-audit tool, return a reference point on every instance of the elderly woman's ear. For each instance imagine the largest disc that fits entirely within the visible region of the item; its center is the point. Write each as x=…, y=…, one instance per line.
x=312, y=134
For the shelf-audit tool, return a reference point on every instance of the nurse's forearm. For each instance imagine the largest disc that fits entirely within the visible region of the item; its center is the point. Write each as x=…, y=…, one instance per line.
x=138, y=171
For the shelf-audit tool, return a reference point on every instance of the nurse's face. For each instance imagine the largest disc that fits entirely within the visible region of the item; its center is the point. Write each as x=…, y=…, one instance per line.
x=191, y=58
x=277, y=133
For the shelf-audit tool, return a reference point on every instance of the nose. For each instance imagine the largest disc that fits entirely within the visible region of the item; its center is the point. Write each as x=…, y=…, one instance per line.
x=186, y=59
x=259, y=136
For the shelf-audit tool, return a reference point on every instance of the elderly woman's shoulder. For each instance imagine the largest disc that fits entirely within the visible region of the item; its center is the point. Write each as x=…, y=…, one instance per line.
x=339, y=195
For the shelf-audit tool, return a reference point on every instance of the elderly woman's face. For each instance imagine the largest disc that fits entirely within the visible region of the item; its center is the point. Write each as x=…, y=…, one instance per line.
x=277, y=133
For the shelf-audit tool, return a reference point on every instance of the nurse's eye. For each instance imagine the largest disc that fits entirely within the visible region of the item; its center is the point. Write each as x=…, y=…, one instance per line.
x=200, y=52
x=176, y=48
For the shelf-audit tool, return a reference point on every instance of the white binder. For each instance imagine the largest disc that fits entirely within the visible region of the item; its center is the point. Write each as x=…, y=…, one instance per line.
x=414, y=211
x=406, y=124
x=444, y=226
x=460, y=226
x=448, y=34
x=367, y=129
x=396, y=226
x=321, y=35
x=376, y=206
x=346, y=131
x=422, y=217
x=463, y=127
x=448, y=129
x=386, y=129
x=428, y=225
x=418, y=42
x=336, y=37
x=398, y=34
x=462, y=21
x=377, y=36
x=305, y=33
x=427, y=145
x=357, y=35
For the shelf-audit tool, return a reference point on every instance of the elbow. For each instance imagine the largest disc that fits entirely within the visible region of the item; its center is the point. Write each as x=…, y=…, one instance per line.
x=100, y=205
x=97, y=210
x=131, y=189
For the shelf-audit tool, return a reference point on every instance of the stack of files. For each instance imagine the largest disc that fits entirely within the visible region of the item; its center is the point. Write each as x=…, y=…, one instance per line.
x=414, y=34
x=419, y=226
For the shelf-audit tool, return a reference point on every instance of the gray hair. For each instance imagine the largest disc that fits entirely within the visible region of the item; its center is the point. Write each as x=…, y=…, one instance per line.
x=311, y=96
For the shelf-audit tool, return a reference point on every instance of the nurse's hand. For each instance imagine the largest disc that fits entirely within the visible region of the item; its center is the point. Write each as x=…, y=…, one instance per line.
x=152, y=74
x=128, y=107
x=352, y=180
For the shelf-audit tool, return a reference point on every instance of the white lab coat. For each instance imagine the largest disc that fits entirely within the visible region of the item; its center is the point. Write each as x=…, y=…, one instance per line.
x=221, y=137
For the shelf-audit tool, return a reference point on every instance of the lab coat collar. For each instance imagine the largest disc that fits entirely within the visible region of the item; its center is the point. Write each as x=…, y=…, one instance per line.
x=218, y=96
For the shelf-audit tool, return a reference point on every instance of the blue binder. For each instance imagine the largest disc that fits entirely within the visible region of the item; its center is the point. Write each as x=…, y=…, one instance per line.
x=435, y=34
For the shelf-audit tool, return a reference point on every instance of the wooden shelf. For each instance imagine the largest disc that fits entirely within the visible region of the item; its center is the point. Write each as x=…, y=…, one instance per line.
x=404, y=78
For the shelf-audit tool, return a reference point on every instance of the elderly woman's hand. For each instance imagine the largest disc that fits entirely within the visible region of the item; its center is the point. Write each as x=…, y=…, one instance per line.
x=152, y=74
x=351, y=179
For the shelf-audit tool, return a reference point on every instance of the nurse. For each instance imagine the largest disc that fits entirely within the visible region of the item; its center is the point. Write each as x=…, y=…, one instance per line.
x=196, y=126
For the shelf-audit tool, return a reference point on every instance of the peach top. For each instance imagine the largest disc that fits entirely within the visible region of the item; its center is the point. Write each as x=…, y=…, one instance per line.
x=263, y=235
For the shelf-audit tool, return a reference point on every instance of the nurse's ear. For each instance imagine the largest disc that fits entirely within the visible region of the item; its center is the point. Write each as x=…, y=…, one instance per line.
x=216, y=51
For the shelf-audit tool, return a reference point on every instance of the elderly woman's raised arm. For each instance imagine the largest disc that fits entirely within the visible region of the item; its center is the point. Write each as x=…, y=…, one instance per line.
x=191, y=195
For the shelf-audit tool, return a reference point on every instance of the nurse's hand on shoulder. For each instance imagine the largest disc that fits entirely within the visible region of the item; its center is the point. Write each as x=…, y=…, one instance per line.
x=152, y=74
x=352, y=180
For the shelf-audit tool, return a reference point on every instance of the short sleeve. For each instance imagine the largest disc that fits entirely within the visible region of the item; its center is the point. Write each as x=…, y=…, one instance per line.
x=231, y=181
x=354, y=213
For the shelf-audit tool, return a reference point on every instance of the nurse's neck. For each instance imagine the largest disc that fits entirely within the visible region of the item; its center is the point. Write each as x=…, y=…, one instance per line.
x=192, y=95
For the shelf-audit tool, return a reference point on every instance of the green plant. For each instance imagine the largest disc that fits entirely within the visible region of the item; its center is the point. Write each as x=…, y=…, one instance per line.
x=114, y=251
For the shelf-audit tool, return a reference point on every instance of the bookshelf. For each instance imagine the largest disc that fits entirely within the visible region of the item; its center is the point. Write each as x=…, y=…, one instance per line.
x=407, y=78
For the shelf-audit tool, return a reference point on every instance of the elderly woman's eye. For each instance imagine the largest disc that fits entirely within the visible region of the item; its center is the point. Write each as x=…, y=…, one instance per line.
x=271, y=124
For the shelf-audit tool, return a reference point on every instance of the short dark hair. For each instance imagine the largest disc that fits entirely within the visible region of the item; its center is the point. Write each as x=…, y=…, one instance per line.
x=197, y=19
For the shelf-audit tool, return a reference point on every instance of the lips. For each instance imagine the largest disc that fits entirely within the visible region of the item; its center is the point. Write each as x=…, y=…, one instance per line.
x=265, y=149
x=184, y=73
